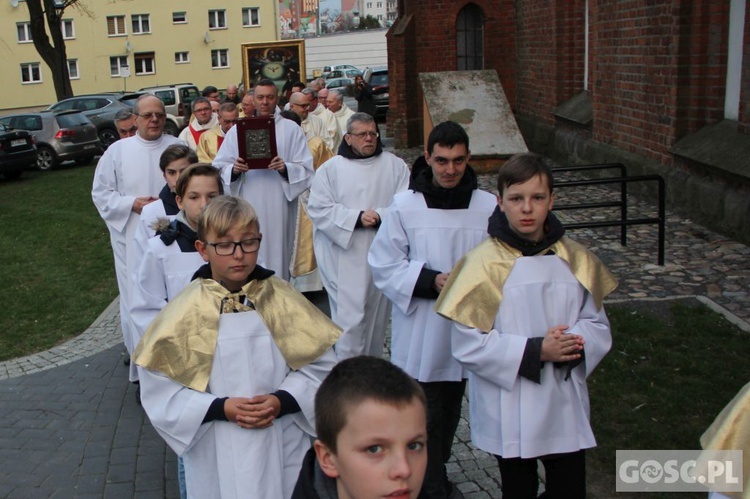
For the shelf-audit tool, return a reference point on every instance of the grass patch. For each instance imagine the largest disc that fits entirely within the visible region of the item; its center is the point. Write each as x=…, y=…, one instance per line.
x=58, y=262
x=673, y=367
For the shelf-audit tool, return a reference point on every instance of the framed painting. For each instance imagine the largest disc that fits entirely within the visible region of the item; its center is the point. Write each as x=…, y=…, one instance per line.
x=282, y=62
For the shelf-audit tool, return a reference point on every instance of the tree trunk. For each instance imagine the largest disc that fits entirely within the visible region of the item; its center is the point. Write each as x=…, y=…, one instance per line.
x=53, y=53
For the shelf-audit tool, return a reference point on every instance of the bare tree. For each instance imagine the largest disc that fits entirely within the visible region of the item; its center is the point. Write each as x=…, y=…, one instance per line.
x=47, y=15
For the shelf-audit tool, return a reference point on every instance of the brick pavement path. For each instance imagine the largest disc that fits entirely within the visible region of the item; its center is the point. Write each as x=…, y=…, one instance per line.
x=70, y=427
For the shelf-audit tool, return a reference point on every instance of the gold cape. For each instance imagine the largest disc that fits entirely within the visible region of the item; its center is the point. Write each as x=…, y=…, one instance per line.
x=474, y=289
x=731, y=431
x=181, y=340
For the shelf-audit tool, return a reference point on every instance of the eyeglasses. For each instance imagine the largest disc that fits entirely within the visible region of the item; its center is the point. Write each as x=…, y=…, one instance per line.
x=148, y=116
x=362, y=135
x=202, y=110
x=229, y=247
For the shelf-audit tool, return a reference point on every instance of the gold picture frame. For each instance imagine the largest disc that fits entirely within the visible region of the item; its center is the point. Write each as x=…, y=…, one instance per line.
x=282, y=62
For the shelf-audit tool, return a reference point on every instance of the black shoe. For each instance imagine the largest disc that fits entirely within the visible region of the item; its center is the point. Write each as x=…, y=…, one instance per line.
x=126, y=359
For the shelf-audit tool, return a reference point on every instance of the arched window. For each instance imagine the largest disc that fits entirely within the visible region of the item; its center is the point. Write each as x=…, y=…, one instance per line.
x=470, y=38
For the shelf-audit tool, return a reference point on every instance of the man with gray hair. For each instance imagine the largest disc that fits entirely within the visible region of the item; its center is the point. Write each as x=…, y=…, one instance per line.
x=125, y=123
x=350, y=195
x=311, y=124
x=340, y=111
x=203, y=119
x=332, y=134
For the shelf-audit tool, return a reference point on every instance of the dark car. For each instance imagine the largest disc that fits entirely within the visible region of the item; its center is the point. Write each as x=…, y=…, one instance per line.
x=377, y=77
x=61, y=136
x=17, y=151
x=100, y=109
x=345, y=86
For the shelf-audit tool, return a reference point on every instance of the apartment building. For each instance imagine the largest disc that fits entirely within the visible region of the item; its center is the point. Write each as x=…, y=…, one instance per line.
x=127, y=45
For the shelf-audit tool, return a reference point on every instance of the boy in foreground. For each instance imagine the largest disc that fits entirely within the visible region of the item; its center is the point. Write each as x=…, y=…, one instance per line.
x=371, y=425
x=531, y=329
x=230, y=367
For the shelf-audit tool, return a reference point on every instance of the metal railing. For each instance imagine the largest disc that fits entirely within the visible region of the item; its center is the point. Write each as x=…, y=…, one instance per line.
x=624, y=222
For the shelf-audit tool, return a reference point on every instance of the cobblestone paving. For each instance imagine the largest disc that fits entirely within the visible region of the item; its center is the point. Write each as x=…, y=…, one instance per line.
x=69, y=425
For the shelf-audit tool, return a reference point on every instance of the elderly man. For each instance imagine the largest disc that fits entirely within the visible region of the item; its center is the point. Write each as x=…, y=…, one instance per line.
x=348, y=198
x=126, y=179
x=232, y=94
x=333, y=135
x=323, y=97
x=311, y=124
x=247, y=107
x=211, y=141
x=274, y=190
x=340, y=110
x=125, y=123
x=203, y=119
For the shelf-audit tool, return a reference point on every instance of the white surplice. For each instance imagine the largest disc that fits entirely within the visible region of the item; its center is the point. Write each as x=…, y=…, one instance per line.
x=333, y=134
x=413, y=237
x=128, y=169
x=273, y=196
x=221, y=459
x=343, y=188
x=512, y=416
x=186, y=135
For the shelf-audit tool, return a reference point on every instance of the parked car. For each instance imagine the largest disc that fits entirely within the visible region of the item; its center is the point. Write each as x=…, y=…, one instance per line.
x=327, y=70
x=59, y=136
x=100, y=109
x=17, y=151
x=177, y=99
x=343, y=73
x=341, y=85
x=377, y=77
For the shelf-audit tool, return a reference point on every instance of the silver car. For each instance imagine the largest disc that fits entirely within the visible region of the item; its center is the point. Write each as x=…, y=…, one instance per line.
x=59, y=136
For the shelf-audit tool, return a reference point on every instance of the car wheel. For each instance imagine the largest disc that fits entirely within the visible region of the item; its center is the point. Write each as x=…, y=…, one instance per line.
x=84, y=160
x=171, y=129
x=46, y=158
x=108, y=136
x=13, y=174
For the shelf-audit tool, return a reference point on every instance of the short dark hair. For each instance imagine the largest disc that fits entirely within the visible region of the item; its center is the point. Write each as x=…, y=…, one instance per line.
x=228, y=107
x=351, y=382
x=264, y=82
x=175, y=152
x=447, y=134
x=298, y=84
x=522, y=167
x=209, y=90
x=291, y=115
x=198, y=170
x=199, y=100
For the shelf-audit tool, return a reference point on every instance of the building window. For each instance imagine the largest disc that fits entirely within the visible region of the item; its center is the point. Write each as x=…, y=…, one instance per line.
x=73, y=69
x=470, y=38
x=118, y=65
x=67, y=29
x=220, y=58
x=144, y=64
x=369, y=5
x=24, y=32
x=380, y=5
x=116, y=26
x=141, y=24
x=217, y=19
x=179, y=18
x=250, y=16
x=30, y=73
x=181, y=57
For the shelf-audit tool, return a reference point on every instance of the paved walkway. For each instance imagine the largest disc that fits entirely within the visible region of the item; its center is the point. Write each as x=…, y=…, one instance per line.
x=70, y=426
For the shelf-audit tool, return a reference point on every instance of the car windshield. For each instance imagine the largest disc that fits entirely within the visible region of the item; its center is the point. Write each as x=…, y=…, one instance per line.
x=71, y=120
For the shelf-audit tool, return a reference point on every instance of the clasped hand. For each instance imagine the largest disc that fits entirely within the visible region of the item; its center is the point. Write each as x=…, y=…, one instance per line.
x=560, y=347
x=252, y=413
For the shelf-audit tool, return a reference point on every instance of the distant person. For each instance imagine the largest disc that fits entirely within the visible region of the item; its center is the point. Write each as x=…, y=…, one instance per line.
x=232, y=94
x=210, y=142
x=125, y=123
x=202, y=120
x=211, y=93
x=312, y=125
x=531, y=327
x=341, y=112
x=366, y=401
x=323, y=97
x=247, y=108
x=363, y=94
x=428, y=228
x=273, y=190
x=289, y=89
x=230, y=367
x=332, y=134
x=126, y=179
x=349, y=197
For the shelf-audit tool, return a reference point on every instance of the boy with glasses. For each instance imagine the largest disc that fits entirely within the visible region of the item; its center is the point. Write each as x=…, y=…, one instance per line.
x=230, y=367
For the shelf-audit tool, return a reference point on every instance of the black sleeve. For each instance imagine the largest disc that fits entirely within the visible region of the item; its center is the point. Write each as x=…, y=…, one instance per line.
x=284, y=174
x=215, y=411
x=359, y=225
x=531, y=363
x=289, y=404
x=571, y=364
x=424, y=286
x=235, y=176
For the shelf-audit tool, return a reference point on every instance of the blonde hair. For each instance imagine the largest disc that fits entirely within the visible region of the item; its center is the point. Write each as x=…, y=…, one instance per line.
x=225, y=213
